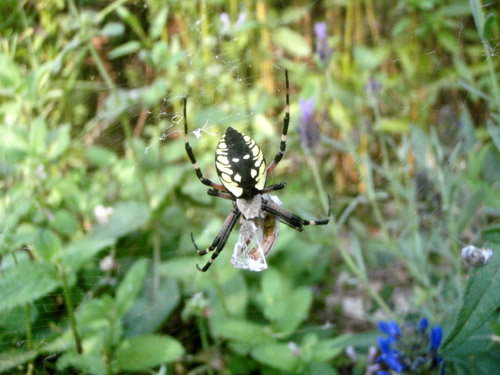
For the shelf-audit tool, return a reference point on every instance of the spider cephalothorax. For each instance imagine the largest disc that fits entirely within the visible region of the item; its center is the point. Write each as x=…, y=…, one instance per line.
x=242, y=170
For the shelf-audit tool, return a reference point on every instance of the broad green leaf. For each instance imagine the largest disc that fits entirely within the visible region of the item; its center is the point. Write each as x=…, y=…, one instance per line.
x=77, y=253
x=100, y=156
x=480, y=300
x=64, y=222
x=130, y=286
x=89, y=363
x=26, y=282
x=13, y=358
x=47, y=244
x=58, y=142
x=370, y=58
x=297, y=308
x=147, y=314
x=279, y=356
x=292, y=42
x=181, y=269
x=326, y=350
x=144, y=352
x=241, y=330
x=127, y=217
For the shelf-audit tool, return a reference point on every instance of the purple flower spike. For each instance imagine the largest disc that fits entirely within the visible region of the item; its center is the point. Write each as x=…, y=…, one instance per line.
x=424, y=323
x=308, y=128
x=320, y=30
x=307, y=109
x=436, y=337
x=322, y=49
x=382, y=373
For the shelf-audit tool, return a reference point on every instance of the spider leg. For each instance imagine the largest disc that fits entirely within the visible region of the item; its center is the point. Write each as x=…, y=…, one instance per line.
x=224, y=235
x=286, y=121
x=220, y=235
x=292, y=219
x=220, y=194
x=190, y=153
x=275, y=187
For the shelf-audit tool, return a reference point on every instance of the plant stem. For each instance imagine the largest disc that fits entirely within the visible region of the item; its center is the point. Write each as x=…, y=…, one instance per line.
x=156, y=264
x=204, y=342
x=317, y=180
x=69, y=306
x=29, y=337
x=345, y=255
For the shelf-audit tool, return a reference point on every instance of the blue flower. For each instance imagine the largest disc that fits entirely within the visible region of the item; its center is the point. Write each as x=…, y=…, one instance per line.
x=436, y=336
x=411, y=349
x=424, y=323
x=391, y=329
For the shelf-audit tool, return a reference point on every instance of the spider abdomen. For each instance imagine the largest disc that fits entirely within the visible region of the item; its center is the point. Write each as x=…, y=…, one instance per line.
x=240, y=164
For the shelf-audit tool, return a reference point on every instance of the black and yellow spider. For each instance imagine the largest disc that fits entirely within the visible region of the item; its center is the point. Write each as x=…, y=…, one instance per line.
x=242, y=170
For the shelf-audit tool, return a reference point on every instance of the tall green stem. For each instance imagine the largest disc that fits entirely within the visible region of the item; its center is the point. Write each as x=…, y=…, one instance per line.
x=71, y=313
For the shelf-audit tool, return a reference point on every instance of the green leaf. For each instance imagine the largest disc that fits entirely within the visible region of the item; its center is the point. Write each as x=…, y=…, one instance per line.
x=38, y=134
x=127, y=217
x=279, y=356
x=147, y=314
x=100, y=156
x=47, y=244
x=292, y=42
x=393, y=125
x=491, y=234
x=88, y=363
x=130, y=286
x=297, y=308
x=13, y=358
x=113, y=29
x=477, y=14
x=58, y=141
x=144, y=352
x=77, y=253
x=370, y=58
x=64, y=222
x=158, y=24
x=480, y=300
x=241, y=330
x=125, y=49
x=26, y=282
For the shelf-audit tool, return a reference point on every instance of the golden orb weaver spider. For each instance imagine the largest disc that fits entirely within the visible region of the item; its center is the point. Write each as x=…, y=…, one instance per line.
x=241, y=168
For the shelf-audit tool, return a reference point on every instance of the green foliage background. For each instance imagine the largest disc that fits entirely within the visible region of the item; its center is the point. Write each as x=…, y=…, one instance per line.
x=98, y=198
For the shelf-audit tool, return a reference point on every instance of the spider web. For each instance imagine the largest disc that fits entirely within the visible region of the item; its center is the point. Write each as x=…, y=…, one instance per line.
x=249, y=107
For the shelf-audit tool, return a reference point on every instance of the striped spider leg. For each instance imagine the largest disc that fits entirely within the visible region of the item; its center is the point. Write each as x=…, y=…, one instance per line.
x=221, y=238
x=292, y=219
x=190, y=153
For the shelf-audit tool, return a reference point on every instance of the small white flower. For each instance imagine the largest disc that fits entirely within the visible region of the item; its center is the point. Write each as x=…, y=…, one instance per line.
x=108, y=264
x=40, y=172
x=102, y=214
